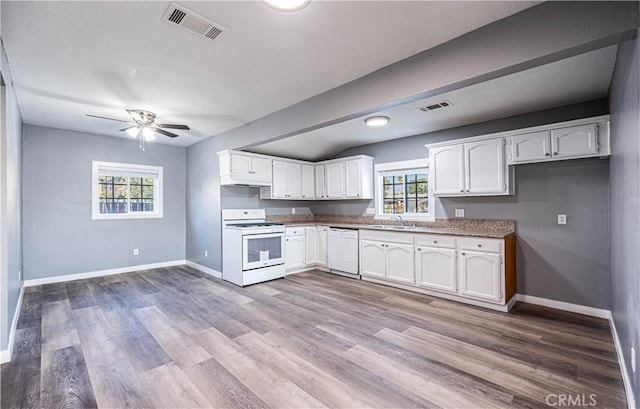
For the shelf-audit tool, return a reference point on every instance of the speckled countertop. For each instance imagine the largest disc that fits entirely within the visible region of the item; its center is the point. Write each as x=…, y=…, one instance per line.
x=497, y=229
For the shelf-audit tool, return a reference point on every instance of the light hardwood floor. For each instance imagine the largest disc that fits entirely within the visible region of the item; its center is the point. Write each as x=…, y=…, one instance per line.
x=177, y=338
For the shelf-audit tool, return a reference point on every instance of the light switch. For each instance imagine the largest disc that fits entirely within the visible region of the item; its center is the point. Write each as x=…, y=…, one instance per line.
x=459, y=212
x=562, y=219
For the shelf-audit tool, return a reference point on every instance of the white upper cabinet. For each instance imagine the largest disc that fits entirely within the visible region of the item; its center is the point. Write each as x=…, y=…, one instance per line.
x=334, y=180
x=308, y=182
x=287, y=180
x=569, y=140
x=470, y=169
x=485, y=167
x=447, y=170
x=320, y=182
x=574, y=141
x=352, y=177
x=532, y=146
x=244, y=168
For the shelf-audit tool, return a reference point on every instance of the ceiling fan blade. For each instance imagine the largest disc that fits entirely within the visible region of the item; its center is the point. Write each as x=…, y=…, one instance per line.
x=163, y=132
x=129, y=127
x=173, y=126
x=104, y=117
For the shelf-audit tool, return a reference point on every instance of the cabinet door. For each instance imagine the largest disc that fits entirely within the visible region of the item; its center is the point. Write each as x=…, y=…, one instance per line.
x=294, y=180
x=485, y=167
x=530, y=147
x=447, y=170
x=294, y=252
x=400, y=263
x=279, y=181
x=321, y=253
x=261, y=168
x=320, y=183
x=574, y=141
x=372, y=259
x=241, y=165
x=335, y=180
x=436, y=268
x=480, y=275
x=310, y=243
x=308, y=182
x=353, y=178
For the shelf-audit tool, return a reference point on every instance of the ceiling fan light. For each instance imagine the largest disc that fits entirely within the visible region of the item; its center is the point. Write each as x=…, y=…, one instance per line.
x=133, y=131
x=375, y=121
x=287, y=5
x=148, y=134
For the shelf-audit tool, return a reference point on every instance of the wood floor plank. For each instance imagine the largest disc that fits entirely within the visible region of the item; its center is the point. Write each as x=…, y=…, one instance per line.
x=31, y=311
x=58, y=329
x=174, y=389
x=65, y=380
x=129, y=295
x=177, y=344
x=80, y=295
x=20, y=387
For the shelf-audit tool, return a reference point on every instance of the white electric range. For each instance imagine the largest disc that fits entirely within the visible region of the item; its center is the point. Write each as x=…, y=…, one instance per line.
x=253, y=250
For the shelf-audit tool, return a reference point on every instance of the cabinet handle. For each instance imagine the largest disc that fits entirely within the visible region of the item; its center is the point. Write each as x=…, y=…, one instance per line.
x=463, y=253
x=419, y=249
x=435, y=241
x=547, y=154
x=462, y=191
x=479, y=245
x=467, y=190
x=555, y=153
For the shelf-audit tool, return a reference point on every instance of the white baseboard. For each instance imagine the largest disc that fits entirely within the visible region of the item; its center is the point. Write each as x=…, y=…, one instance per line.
x=204, y=269
x=631, y=401
x=100, y=273
x=565, y=306
x=5, y=354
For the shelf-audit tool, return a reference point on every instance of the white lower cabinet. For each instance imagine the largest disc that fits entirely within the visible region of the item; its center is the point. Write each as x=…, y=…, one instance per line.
x=321, y=248
x=387, y=255
x=465, y=269
x=480, y=275
x=295, y=248
x=373, y=259
x=436, y=268
x=310, y=243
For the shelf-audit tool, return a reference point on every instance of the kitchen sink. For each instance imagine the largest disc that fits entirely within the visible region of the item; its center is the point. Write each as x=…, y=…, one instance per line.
x=393, y=227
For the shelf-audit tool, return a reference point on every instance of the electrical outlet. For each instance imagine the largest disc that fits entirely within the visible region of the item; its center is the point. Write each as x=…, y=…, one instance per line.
x=371, y=210
x=459, y=212
x=136, y=252
x=293, y=210
x=206, y=253
x=562, y=219
x=633, y=359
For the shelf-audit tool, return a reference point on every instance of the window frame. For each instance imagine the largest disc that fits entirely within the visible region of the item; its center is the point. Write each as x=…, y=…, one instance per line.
x=406, y=167
x=156, y=171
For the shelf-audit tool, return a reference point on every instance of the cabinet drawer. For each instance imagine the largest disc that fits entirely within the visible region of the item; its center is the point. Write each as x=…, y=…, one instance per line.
x=482, y=245
x=294, y=231
x=436, y=240
x=386, y=236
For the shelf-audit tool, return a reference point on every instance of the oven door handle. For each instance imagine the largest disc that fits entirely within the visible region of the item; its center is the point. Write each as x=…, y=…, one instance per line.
x=261, y=236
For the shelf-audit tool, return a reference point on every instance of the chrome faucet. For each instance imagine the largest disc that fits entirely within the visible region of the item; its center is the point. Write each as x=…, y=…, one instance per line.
x=399, y=218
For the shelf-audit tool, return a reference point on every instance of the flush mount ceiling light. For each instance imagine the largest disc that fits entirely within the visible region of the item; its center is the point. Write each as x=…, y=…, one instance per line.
x=376, y=121
x=287, y=5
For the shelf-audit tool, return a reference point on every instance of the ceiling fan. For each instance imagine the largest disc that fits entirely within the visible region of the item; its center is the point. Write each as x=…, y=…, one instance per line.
x=144, y=127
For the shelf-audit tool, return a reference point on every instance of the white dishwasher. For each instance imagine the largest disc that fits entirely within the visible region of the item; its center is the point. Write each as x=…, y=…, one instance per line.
x=343, y=251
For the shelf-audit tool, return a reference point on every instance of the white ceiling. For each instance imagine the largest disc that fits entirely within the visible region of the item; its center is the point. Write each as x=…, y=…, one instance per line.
x=73, y=58
x=577, y=79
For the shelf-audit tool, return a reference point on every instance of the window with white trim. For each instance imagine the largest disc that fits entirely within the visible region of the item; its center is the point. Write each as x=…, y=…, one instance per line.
x=125, y=191
x=402, y=189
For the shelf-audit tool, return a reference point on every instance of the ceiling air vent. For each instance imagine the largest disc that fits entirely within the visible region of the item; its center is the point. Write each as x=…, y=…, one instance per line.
x=191, y=22
x=435, y=106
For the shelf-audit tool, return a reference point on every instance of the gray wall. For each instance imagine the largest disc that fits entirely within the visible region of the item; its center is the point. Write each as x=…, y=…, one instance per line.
x=60, y=237
x=625, y=203
x=10, y=206
x=539, y=35
x=566, y=263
